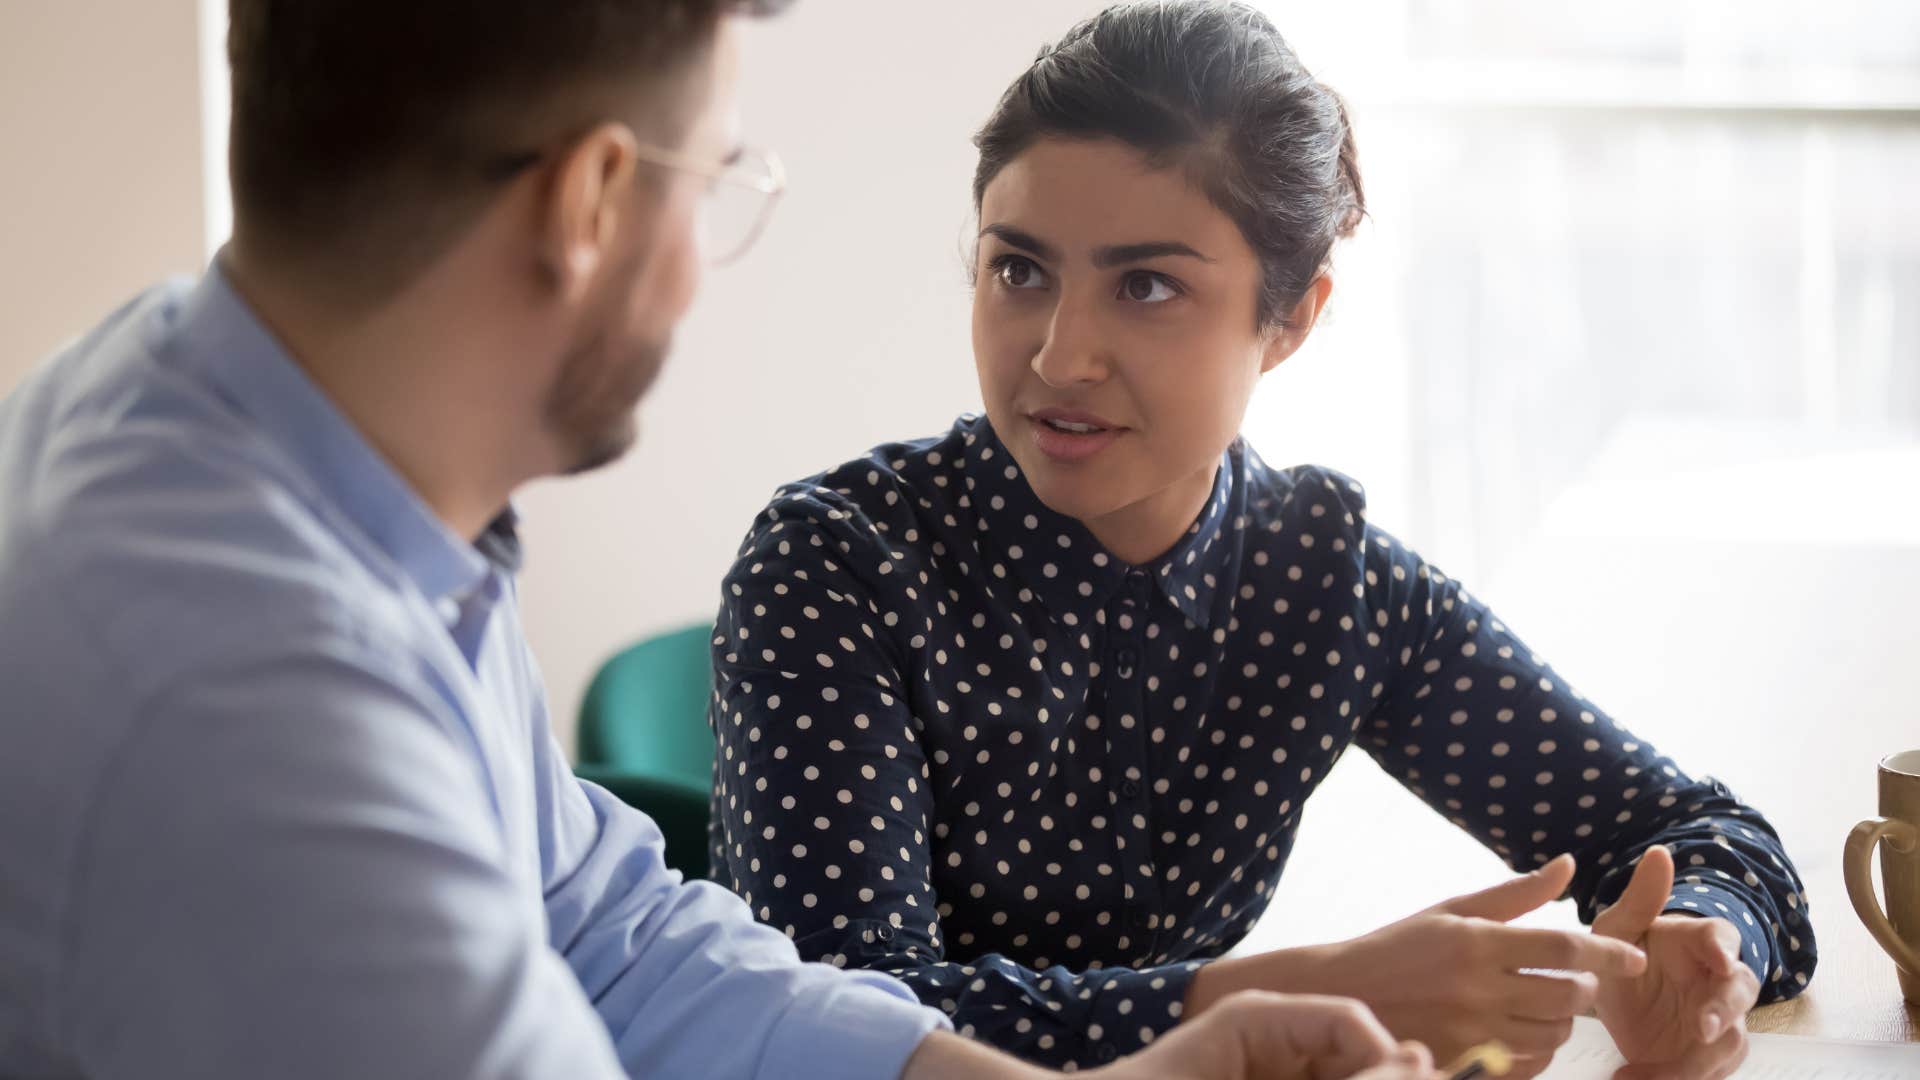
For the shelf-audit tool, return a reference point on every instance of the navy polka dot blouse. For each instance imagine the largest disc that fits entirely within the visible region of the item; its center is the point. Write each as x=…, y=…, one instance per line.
x=959, y=742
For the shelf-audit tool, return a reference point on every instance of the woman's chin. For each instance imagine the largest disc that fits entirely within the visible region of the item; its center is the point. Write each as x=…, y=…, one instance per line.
x=1078, y=495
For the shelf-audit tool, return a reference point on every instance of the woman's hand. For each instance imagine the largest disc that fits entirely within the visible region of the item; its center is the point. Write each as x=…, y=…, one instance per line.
x=1455, y=975
x=1685, y=1016
x=1279, y=1036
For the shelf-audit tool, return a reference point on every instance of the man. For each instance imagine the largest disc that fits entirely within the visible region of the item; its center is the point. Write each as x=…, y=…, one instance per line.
x=279, y=794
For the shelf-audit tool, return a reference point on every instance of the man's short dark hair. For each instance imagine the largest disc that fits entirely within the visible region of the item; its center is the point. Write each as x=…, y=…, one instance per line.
x=364, y=127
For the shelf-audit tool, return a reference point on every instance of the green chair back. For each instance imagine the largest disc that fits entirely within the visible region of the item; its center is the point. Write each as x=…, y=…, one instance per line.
x=643, y=735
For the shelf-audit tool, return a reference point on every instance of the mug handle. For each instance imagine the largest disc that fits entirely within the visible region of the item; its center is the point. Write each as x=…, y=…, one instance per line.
x=1901, y=837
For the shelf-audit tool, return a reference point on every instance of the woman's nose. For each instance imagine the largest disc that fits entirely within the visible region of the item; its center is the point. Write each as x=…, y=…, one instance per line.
x=1075, y=352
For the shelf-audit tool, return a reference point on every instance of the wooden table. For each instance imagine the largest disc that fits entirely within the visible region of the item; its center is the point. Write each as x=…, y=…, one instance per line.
x=1855, y=992
x=1784, y=671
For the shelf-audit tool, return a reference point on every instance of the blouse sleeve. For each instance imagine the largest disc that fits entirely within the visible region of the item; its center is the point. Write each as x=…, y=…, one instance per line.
x=1481, y=728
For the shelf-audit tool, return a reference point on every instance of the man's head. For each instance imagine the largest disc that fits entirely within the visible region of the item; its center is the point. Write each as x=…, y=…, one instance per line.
x=502, y=159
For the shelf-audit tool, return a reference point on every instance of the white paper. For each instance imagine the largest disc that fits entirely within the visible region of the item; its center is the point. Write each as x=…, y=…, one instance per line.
x=1590, y=1055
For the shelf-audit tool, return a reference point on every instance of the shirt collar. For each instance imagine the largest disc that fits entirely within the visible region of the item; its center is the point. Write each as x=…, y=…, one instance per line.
x=220, y=340
x=1073, y=574
x=1199, y=570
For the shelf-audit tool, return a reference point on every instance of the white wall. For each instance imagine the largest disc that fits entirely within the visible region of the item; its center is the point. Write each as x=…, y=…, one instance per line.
x=100, y=174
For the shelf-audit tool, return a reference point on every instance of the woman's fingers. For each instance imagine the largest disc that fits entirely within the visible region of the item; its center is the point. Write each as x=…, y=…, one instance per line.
x=1561, y=950
x=1646, y=897
x=1705, y=1061
x=1730, y=1001
x=1548, y=996
x=1727, y=988
x=1716, y=942
x=1516, y=896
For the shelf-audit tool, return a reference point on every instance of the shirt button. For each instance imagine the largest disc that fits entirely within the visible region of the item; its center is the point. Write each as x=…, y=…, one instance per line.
x=885, y=933
x=1141, y=920
x=1130, y=788
x=1105, y=1052
x=1125, y=660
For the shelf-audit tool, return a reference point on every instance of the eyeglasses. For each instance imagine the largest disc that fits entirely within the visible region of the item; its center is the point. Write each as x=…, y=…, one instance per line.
x=741, y=193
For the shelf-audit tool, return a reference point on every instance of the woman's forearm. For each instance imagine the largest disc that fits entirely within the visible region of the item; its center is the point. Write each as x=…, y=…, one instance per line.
x=1303, y=970
x=943, y=1055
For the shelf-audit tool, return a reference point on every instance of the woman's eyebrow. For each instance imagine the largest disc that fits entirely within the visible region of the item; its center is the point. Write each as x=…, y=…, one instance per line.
x=1025, y=241
x=1114, y=255
x=1121, y=254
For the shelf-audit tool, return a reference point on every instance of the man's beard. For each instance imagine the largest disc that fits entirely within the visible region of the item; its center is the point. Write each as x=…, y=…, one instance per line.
x=590, y=409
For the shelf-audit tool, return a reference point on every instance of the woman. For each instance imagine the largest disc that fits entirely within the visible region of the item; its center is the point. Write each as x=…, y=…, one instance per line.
x=1026, y=713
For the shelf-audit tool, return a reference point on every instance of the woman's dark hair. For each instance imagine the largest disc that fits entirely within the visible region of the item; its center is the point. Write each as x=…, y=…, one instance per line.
x=1210, y=86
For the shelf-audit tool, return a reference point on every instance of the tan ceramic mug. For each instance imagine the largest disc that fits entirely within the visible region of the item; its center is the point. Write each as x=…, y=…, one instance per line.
x=1897, y=926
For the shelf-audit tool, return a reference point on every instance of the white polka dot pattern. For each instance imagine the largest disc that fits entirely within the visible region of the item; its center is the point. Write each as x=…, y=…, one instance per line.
x=959, y=742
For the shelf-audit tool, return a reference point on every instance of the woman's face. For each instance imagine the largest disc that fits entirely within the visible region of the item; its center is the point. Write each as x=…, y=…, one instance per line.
x=1116, y=335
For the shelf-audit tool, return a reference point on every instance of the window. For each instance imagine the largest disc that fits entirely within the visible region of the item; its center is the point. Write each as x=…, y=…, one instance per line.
x=1630, y=346
x=1626, y=260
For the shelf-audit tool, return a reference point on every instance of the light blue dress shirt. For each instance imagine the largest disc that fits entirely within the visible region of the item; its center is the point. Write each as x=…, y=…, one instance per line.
x=278, y=795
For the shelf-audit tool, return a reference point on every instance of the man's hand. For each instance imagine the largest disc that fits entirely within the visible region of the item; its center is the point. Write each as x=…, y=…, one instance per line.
x=1248, y=1036
x=1278, y=1036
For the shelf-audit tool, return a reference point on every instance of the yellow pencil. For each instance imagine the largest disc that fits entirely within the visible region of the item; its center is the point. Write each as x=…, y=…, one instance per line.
x=1487, y=1059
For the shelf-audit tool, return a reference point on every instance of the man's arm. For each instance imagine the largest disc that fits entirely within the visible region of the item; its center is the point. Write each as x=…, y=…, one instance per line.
x=294, y=870
x=687, y=981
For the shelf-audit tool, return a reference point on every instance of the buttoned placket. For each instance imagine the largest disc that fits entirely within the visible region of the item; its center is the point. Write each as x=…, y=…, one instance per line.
x=1127, y=757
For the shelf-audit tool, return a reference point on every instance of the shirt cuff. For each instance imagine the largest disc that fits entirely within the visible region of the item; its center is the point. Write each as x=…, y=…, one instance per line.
x=1134, y=1008
x=1756, y=944
x=865, y=1023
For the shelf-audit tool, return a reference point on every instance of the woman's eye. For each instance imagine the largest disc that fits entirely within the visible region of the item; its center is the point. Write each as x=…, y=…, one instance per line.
x=1145, y=287
x=1018, y=273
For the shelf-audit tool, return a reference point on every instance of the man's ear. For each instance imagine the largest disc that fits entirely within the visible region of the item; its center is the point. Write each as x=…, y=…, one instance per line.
x=1293, y=333
x=582, y=208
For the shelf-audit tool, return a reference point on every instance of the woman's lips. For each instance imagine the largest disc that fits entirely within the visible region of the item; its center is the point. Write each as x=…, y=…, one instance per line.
x=1070, y=436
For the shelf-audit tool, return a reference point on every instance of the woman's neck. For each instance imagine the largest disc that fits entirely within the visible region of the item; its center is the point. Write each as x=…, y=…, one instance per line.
x=1144, y=530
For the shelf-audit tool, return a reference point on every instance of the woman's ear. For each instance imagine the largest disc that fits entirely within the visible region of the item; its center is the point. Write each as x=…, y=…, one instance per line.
x=581, y=210
x=1299, y=323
